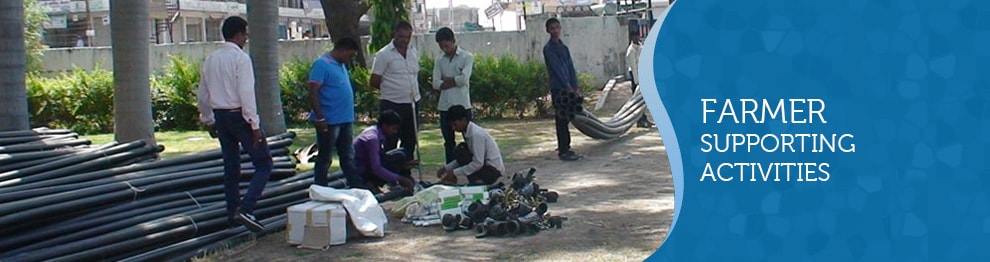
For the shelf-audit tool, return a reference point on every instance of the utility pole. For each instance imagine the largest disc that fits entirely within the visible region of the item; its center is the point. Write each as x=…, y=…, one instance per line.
x=89, y=25
x=524, y=2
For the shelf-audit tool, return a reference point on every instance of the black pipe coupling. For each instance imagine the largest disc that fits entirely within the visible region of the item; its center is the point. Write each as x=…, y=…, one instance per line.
x=497, y=213
x=477, y=212
x=551, y=196
x=450, y=222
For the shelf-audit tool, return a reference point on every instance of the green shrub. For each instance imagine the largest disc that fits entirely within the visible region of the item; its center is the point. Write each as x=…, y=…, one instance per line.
x=78, y=100
x=506, y=87
x=428, y=96
x=294, y=82
x=365, y=96
x=174, y=95
x=83, y=100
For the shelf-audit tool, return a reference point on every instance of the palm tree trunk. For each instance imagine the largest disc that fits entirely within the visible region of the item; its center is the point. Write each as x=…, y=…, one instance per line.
x=263, y=48
x=13, y=96
x=130, y=30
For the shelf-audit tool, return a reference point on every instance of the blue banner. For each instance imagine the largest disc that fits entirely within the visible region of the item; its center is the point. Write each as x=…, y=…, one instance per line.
x=824, y=130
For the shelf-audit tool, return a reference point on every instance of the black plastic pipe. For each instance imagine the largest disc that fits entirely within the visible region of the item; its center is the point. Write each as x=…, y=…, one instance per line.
x=25, y=210
x=6, y=141
x=136, y=236
x=18, y=157
x=34, y=132
x=138, y=170
x=77, y=158
x=280, y=163
x=43, y=145
x=190, y=248
x=110, y=159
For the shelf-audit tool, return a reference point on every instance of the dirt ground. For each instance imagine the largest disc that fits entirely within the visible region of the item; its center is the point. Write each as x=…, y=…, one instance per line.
x=619, y=201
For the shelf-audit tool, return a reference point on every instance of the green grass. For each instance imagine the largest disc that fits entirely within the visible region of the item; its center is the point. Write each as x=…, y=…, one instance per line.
x=178, y=143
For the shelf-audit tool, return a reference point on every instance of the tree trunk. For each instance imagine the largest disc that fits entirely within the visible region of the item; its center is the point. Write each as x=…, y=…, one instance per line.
x=130, y=30
x=13, y=95
x=263, y=48
x=343, y=18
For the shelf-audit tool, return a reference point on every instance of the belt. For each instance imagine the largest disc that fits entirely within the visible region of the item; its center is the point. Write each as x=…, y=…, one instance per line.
x=227, y=110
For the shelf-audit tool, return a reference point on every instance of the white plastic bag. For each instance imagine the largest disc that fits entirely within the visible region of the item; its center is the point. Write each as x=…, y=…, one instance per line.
x=362, y=208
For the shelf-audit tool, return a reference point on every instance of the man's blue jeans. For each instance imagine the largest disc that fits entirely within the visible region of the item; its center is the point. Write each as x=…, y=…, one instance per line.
x=234, y=132
x=338, y=136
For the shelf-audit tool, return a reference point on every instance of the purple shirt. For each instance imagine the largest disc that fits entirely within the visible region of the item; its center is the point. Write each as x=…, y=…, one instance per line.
x=368, y=154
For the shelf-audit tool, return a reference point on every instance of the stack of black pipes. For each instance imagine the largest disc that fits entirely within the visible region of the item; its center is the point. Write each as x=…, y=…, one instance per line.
x=110, y=203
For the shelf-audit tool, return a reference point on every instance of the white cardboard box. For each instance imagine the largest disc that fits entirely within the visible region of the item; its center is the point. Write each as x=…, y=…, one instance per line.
x=317, y=224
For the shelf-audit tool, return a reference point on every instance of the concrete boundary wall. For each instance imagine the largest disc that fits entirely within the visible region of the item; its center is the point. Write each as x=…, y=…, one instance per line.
x=597, y=45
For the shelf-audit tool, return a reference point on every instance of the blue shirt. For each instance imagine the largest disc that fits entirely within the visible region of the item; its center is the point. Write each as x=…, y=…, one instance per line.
x=560, y=66
x=336, y=92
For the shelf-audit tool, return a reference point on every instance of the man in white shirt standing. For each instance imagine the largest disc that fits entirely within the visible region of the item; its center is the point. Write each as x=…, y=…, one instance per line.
x=633, y=51
x=452, y=77
x=227, y=105
x=394, y=72
x=632, y=63
x=483, y=163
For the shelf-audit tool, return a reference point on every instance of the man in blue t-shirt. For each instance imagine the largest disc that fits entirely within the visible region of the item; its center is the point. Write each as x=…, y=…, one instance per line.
x=331, y=97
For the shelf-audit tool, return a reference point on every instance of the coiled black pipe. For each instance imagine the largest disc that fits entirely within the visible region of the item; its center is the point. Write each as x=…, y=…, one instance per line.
x=618, y=125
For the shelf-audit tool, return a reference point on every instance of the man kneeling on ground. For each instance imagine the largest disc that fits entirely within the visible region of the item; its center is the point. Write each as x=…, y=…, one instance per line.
x=380, y=168
x=481, y=163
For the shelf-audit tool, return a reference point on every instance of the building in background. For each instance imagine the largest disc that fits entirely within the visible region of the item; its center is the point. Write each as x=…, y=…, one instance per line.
x=459, y=18
x=173, y=21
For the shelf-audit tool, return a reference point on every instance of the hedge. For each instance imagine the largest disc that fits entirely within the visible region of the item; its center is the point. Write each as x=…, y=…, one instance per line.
x=83, y=100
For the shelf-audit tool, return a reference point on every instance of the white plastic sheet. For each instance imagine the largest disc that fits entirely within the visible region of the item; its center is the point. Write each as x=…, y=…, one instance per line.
x=362, y=208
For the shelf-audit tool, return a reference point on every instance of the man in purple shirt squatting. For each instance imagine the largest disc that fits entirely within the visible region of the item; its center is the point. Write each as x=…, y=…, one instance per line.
x=378, y=167
x=331, y=97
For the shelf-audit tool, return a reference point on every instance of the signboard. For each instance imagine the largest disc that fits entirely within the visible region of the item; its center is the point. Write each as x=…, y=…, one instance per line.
x=493, y=10
x=50, y=6
x=532, y=8
x=56, y=22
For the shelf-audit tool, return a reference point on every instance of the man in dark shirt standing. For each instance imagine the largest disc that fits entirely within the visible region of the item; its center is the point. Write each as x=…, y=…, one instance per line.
x=563, y=78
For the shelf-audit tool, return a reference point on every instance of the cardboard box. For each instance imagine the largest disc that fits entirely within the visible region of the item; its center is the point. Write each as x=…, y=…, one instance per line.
x=450, y=201
x=317, y=224
x=455, y=201
x=474, y=193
